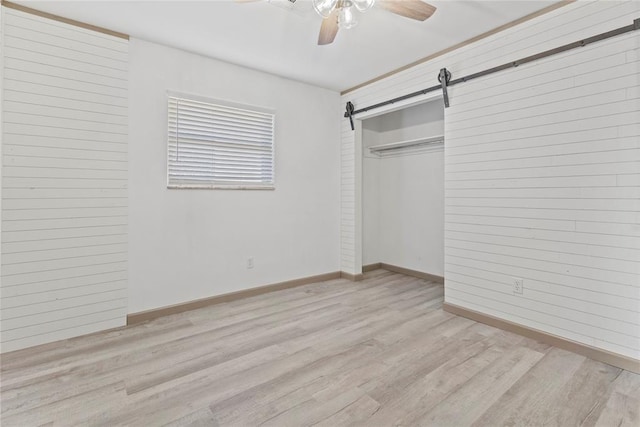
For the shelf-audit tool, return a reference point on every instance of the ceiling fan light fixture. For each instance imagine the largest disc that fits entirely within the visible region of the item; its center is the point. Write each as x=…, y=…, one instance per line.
x=324, y=7
x=346, y=19
x=363, y=5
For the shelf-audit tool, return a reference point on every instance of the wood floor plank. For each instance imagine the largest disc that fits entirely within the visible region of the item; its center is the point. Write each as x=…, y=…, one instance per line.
x=620, y=410
x=583, y=393
x=60, y=412
x=535, y=396
x=621, y=406
x=380, y=352
x=357, y=413
x=479, y=393
x=295, y=387
x=312, y=412
x=405, y=400
x=200, y=418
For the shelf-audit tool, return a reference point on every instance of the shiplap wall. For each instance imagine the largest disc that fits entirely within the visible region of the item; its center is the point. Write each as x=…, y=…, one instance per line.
x=542, y=176
x=64, y=181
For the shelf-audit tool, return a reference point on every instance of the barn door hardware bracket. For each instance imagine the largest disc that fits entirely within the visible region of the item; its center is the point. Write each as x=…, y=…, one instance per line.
x=443, y=78
x=349, y=113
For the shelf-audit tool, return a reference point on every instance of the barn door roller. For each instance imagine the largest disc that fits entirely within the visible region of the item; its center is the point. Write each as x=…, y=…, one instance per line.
x=349, y=113
x=444, y=77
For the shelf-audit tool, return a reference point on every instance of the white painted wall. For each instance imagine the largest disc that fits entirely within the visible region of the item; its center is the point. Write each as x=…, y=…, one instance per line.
x=64, y=181
x=412, y=211
x=403, y=192
x=190, y=244
x=370, y=200
x=541, y=174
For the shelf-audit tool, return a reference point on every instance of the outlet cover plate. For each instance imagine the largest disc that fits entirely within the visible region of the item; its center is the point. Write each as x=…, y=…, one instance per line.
x=518, y=286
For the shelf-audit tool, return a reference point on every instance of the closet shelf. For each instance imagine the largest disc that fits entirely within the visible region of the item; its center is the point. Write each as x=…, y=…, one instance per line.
x=432, y=140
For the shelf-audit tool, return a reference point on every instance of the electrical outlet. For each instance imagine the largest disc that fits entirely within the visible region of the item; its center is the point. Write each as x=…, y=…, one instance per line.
x=250, y=262
x=518, y=286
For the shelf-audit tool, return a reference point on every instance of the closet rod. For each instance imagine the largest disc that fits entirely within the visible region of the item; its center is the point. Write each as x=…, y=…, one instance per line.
x=444, y=77
x=407, y=144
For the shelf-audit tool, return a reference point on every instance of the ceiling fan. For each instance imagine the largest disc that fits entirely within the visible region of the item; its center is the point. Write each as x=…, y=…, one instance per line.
x=338, y=14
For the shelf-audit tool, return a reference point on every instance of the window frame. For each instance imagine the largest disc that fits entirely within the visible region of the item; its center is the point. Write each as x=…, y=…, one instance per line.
x=221, y=103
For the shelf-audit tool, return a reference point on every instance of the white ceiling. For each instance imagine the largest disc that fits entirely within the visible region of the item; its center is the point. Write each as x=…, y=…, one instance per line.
x=283, y=41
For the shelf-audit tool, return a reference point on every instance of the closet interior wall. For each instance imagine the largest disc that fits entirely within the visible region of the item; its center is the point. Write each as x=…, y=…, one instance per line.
x=403, y=190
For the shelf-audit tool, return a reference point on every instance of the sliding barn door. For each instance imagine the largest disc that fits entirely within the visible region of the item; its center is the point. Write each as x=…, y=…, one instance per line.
x=64, y=181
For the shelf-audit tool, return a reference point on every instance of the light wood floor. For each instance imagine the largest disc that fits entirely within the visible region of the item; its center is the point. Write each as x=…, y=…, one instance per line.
x=375, y=353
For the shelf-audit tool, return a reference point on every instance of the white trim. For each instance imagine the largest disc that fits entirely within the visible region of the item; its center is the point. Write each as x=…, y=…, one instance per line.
x=359, y=154
x=429, y=97
x=225, y=102
x=220, y=187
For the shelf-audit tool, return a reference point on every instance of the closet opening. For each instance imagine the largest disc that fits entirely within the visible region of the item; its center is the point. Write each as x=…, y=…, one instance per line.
x=403, y=190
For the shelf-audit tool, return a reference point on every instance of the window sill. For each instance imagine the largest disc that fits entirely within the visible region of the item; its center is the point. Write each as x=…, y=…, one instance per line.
x=220, y=187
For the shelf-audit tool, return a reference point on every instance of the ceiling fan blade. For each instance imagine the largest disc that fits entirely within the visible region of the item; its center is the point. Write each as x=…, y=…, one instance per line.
x=328, y=29
x=414, y=9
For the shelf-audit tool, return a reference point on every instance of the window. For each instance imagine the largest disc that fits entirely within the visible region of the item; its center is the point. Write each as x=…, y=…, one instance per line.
x=216, y=145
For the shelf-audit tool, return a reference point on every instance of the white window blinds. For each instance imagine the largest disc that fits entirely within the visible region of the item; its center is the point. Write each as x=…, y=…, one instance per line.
x=212, y=145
